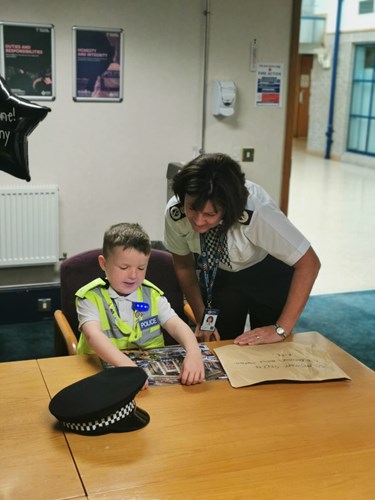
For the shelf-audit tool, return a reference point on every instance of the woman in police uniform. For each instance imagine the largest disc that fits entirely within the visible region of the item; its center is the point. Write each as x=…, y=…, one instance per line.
x=235, y=253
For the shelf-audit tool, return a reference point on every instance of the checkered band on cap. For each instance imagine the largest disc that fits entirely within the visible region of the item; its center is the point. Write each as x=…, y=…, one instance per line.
x=91, y=426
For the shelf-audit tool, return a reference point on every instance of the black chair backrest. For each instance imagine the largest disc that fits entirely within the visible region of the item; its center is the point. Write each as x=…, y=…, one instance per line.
x=82, y=268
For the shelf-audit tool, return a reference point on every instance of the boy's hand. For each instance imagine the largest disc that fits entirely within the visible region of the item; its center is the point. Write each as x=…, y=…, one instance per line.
x=192, y=369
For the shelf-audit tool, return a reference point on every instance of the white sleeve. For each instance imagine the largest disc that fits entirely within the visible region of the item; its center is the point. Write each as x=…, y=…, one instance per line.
x=86, y=311
x=274, y=232
x=174, y=240
x=165, y=311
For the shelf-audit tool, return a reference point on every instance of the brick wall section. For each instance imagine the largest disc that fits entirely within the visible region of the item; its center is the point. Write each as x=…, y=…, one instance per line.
x=320, y=98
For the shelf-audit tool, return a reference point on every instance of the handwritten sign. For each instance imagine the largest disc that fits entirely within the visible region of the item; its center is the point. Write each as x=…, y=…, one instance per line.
x=248, y=365
x=18, y=118
x=6, y=117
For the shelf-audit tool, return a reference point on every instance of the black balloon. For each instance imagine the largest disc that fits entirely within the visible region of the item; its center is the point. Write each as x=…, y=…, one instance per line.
x=18, y=118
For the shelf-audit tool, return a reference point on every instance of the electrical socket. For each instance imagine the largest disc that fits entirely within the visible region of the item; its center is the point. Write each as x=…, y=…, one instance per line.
x=248, y=154
x=44, y=305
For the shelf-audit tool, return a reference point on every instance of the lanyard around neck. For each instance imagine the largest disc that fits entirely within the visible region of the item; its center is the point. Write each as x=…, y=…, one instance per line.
x=134, y=332
x=209, y=275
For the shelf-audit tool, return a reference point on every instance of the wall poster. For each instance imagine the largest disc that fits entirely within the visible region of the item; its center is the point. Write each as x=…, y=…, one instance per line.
x=97, y=64
x=269, y=83
x=27, y=59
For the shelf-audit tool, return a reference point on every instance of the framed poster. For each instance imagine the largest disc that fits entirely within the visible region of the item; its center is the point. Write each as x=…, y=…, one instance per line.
x=27, y=59
x=97, y=64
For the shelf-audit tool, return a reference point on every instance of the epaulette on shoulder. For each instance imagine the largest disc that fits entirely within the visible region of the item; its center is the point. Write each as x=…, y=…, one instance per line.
x=245, y=217
x=177, y=212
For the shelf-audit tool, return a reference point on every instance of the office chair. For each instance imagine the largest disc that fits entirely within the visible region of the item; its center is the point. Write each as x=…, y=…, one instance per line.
x=82, y=268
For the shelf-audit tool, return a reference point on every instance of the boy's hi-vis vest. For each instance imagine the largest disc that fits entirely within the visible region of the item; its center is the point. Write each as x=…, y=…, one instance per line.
x=146, y=333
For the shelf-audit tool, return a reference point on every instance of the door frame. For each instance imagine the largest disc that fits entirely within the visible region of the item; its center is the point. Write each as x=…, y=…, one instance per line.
x=292, y=89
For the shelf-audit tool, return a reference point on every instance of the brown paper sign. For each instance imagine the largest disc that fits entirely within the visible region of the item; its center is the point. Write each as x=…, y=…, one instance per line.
x=248, y=365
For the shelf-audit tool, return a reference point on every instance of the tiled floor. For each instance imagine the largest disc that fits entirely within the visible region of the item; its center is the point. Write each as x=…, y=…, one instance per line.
x=333, y=204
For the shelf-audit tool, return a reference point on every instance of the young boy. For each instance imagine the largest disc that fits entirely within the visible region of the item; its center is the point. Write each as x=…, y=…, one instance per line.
x=126, y=311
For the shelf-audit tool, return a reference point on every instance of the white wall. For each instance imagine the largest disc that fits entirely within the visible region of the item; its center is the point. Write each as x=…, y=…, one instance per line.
x=110, y=159
x=233, y=27
x=351, y=20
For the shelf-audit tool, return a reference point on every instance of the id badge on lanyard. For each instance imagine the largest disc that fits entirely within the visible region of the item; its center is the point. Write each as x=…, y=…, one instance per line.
x=210, y=315
x=209, y=319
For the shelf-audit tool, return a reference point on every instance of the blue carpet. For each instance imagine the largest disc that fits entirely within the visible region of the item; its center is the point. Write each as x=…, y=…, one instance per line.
x=347, y=319
x=27, y=340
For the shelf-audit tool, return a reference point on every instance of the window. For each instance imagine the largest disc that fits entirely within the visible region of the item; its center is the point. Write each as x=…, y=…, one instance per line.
x=366, y=6
x=361, y=136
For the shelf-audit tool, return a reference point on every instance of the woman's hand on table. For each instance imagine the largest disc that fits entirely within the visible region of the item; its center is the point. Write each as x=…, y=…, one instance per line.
x=262, y=335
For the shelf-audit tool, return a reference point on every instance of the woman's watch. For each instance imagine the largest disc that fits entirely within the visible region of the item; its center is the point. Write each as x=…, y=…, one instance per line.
x=280, y=330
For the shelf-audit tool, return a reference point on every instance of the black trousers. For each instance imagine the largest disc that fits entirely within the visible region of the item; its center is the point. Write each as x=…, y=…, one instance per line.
x=260, y=291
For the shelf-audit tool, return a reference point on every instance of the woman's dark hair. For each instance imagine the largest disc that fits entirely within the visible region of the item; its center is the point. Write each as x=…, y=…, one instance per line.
x=215, y=178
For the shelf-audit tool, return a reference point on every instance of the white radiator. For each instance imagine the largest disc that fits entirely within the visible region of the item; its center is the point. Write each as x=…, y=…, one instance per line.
x=29, y=220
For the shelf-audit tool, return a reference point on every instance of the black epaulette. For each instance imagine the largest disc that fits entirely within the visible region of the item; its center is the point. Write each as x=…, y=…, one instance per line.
x=245, y=217
x=176, y=212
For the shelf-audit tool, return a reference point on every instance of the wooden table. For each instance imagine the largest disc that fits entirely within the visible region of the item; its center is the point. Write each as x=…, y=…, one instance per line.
x=270, y=441
x=35, y=461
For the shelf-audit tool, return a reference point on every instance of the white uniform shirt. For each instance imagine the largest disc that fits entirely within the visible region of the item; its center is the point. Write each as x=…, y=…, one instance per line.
x=87, y=311
x=262, y=230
